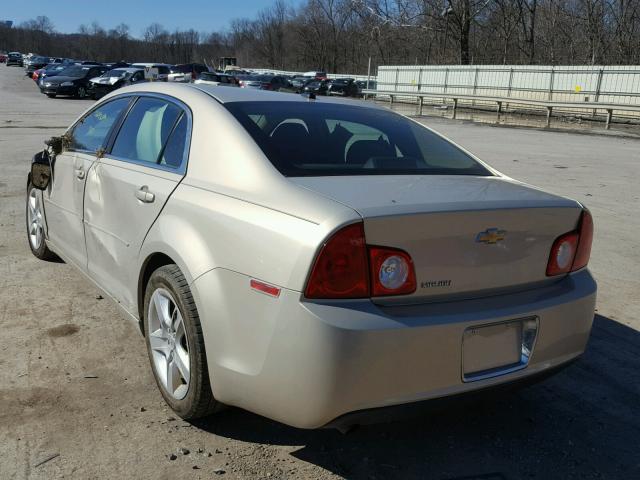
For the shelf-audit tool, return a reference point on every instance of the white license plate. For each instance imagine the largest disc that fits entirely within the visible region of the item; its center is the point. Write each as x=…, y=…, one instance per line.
x=491, y=347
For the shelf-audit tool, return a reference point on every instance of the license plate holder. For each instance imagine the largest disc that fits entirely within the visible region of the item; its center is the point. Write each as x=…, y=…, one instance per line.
x=498, y=348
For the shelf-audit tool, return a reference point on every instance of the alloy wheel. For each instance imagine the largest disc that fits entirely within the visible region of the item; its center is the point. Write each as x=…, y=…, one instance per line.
x=35, y=219
x=169, y=344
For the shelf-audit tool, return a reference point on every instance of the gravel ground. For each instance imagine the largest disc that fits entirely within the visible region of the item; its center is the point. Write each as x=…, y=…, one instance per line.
x=77, y=398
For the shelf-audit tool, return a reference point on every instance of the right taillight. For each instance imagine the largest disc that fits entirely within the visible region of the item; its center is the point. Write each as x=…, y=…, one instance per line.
x=585, y=241
x=571, y=251
x=346, y=267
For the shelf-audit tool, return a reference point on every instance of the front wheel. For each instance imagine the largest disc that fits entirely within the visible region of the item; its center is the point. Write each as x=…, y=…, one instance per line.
x=82, y=92
x=175, y=344
x=35, y=224
x=51, y=95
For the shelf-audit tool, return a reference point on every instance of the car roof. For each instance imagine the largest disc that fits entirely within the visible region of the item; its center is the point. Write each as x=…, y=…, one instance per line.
x=253, y=95
x=183, y=91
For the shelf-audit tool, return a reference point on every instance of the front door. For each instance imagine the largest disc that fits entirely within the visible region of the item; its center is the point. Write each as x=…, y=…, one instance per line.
x=127, y=189
x=64, y=204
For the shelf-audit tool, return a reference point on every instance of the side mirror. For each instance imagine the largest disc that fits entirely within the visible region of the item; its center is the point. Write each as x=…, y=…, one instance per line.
x=41, y=170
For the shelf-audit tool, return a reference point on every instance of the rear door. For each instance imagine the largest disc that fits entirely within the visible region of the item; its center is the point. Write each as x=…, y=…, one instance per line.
x=64, y=203
x=127, y=188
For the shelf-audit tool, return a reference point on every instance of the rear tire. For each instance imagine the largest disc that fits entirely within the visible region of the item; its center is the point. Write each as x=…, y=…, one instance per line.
x=35, y=224
x=81, y=93
x=175, y=345
x=51, y=95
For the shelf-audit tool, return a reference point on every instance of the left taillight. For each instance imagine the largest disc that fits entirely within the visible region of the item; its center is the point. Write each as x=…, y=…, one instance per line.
x=346, y=267
x=571, y=251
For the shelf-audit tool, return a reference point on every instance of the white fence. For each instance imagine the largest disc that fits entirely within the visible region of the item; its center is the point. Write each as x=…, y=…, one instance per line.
x=606, y=84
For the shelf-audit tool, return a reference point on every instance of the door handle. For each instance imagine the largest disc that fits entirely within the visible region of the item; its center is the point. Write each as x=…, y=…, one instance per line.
x=144, y=195
x=80, y=173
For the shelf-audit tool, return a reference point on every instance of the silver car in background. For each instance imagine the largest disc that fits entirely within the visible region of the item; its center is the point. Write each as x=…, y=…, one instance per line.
x=218, y=79
x=309, y=260
x=186, y=73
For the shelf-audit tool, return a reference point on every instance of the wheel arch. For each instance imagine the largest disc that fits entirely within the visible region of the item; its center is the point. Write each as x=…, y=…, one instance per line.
x=150, y=265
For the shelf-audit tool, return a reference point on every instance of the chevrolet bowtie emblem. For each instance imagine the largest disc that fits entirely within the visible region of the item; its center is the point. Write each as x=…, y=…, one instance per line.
x=491, y=236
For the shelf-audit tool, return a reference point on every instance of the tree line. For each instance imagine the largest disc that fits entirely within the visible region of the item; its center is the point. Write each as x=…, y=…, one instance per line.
x=342, y=35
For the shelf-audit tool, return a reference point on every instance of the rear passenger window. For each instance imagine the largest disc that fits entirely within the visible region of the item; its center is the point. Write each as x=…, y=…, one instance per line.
x=146, y=130
x=174, y=152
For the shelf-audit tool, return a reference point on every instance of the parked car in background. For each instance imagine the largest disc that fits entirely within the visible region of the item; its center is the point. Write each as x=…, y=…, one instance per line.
x=316, y=75
x=222, y=79
x=73, y=81
x=14, y=58
x=163, y=69
x=365, y=84
x=3, y=57
x=347, y=259
x=249, y=80
x=235, y=70
x=36, y=74
x=114, y=79
x=186, y=73
x=112, y=65
x=296, y=84
x=50, y=71
x=264, y=82
x=35, y=63
x=274, y=83
x=317, y=87
x=344, y=87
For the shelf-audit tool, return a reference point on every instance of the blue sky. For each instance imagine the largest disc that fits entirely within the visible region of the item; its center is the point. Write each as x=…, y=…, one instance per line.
x=201, y=15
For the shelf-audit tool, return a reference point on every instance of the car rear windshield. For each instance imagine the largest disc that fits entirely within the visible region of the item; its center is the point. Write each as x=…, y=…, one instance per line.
x=321, y=139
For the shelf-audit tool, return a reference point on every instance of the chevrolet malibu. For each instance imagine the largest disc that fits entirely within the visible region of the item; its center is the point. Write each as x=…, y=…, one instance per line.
x=309, y=260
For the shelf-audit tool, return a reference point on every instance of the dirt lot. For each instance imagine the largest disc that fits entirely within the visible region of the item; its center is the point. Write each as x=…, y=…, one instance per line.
x=76, y=391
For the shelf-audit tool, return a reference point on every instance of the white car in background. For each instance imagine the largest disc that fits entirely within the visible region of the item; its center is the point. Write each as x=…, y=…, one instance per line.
x=213, y=78
x=310, y=260
x=163, y=69
x=186, y=73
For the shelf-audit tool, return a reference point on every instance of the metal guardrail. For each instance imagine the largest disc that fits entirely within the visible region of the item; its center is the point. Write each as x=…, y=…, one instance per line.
x=499, y=101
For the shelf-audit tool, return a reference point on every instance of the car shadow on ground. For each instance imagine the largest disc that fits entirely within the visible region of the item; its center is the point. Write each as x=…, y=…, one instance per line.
x=582, y=423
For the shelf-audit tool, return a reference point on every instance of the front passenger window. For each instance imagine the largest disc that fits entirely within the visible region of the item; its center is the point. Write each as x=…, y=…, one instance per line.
x=90, y=133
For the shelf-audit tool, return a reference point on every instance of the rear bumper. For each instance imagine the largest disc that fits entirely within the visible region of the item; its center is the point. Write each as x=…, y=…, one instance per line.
x=412, y=410
x=306, y=364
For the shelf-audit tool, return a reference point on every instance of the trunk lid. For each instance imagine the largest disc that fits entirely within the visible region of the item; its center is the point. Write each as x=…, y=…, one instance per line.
x=467, y=236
